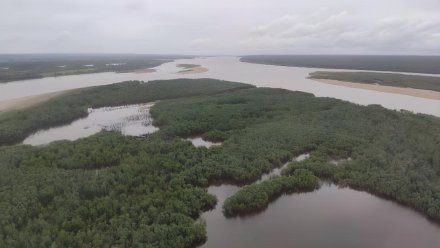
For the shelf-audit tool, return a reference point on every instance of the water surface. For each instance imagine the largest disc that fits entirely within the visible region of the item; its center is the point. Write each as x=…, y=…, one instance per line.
x=134, y=120
x=229, y=68
x=328, y=217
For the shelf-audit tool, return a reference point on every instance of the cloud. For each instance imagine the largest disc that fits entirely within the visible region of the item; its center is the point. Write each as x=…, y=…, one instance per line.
x=199, y=41
x=213, y=27
x=345, y=31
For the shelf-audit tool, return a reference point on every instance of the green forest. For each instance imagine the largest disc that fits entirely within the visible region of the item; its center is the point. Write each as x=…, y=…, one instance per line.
x=387, y=79
x=110, y=190
x=15, y=67
x=17, y=125
x=257, y=196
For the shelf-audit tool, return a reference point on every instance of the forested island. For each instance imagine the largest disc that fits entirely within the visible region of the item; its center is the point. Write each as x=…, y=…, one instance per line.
x=113, y=190
x=397, y=63
x=257, y=196
x=387, y=79
x=18, y=67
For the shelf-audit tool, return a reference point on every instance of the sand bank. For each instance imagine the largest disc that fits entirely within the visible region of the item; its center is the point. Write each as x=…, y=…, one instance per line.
x=194, y=70
x=24, y=102
x=382, y=88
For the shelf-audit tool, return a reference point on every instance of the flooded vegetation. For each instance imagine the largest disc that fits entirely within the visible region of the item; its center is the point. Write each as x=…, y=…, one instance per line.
x=200, y=142
x=133, y=120
x=277, y=171
x=15, y=126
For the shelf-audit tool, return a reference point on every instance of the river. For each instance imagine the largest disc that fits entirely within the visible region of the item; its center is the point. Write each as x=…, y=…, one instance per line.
x=228, y=68
x=328, y=217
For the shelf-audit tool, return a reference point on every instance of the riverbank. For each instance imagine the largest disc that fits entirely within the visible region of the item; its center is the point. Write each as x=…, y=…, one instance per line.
x=428, y=94
x=26, y=102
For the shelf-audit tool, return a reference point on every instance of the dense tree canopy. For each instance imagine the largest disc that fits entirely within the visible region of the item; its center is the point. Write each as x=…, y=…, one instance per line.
x=257, y=196
x=112, y=190
x=16, y=125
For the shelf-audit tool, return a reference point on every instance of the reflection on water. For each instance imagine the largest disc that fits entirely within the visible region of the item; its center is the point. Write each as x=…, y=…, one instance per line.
x=200, y=142
x=134, y=120
x=328, y=217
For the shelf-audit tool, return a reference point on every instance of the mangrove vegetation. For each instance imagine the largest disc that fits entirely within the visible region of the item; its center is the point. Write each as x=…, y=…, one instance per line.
x=110, y=190
x=257, y=196
x=17, y=125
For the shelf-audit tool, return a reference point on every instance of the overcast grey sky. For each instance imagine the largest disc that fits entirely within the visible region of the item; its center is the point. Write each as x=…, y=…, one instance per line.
x=221, y=26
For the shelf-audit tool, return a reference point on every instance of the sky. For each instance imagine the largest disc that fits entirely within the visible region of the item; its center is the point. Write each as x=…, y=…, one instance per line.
x=221, y=27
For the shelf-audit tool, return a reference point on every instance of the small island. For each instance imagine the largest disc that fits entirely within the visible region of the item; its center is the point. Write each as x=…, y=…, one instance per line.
x=191, y=69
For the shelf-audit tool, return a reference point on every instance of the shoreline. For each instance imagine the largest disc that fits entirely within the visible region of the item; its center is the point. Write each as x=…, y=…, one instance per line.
x=428, y=94
x=28, y=101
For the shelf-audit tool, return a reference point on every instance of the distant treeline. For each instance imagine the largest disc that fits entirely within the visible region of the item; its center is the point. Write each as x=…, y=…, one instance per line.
x=417, y=64
x=21, y=67
x=388, y=79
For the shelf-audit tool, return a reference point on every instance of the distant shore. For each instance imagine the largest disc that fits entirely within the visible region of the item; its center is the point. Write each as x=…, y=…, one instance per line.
x=25, y=102
x=143, y=70
x=429, y=94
